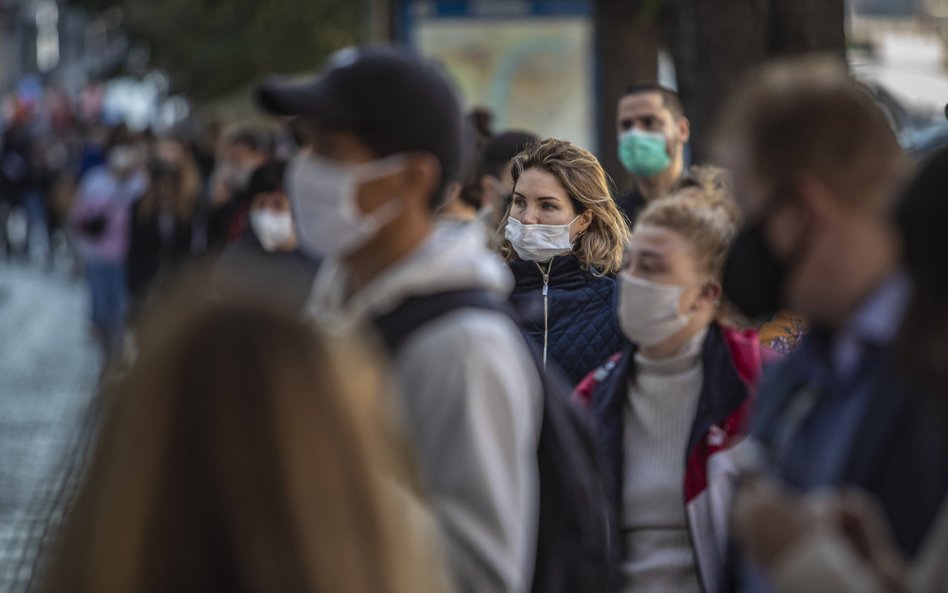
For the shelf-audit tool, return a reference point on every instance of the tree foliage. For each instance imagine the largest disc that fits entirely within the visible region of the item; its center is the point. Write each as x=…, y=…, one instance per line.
x=213, y=47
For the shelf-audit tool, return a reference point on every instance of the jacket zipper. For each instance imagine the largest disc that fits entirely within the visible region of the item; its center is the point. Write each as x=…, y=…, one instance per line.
x=546, y=307
x=691, y=535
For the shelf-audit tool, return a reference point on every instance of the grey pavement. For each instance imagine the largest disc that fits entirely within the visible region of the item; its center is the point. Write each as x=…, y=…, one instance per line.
x=48, y=372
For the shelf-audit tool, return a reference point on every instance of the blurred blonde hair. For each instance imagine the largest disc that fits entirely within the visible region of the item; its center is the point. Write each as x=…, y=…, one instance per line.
x=703, y=212
x=600, y=247
x=239, y=454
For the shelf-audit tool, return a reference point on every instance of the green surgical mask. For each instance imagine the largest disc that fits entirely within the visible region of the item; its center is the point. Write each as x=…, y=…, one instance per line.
x=644, y=154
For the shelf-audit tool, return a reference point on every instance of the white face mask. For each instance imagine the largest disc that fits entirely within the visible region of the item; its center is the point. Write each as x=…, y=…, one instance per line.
x=648, y=311
x=323, y=194
x=539, y=242
x=273, y=229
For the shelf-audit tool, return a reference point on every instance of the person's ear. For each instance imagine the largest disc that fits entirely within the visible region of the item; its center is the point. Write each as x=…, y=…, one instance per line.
x=419, y=180
x=585, y=219
x=709, y=297
x=684, y=130
x=488, y=191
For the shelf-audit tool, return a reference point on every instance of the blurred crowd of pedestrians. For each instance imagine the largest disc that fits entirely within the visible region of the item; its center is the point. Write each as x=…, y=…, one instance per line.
x=378, y=347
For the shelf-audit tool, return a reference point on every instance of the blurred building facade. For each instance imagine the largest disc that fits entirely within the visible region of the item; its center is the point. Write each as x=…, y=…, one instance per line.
x=47, y=43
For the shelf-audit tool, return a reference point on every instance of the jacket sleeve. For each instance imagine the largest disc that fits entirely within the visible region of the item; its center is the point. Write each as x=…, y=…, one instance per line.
x=472, y=404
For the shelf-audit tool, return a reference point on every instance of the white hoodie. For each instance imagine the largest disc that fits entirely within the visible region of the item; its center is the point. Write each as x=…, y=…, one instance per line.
x=472, y=401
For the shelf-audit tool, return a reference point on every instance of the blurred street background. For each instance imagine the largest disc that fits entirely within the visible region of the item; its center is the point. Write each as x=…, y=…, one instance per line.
x=47, y=376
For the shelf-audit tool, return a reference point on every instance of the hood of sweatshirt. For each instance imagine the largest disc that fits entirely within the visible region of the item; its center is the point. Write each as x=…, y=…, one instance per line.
x=454, y=257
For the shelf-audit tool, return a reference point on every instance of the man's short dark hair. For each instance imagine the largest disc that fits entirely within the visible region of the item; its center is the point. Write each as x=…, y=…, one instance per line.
x=267, y=178
x=670, y=98
x=499, y=150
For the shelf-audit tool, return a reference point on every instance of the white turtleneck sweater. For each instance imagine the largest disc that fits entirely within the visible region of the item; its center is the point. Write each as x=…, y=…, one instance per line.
x=663, y=400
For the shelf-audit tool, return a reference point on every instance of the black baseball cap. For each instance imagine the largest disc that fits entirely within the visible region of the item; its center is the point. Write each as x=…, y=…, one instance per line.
x=391, y=98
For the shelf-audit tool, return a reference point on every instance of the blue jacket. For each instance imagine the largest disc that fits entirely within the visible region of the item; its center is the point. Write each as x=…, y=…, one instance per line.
x=581, y=325
x=899, y=453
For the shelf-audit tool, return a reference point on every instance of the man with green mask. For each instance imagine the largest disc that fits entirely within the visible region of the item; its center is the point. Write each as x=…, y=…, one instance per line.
x=653, y=131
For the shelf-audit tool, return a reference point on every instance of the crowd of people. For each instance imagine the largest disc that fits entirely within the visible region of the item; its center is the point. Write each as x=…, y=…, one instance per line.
x=408, y=354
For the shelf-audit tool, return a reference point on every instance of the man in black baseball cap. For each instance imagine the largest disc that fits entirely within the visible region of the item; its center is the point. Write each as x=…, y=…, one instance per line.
x=381, y=130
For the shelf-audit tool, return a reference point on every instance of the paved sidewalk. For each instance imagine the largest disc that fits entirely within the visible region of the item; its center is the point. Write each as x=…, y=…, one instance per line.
x=48, y=370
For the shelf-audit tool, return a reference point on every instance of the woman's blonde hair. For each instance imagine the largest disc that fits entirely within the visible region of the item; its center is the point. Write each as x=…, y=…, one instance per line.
x=240, y=454
x=600, y=247
x=703, y=212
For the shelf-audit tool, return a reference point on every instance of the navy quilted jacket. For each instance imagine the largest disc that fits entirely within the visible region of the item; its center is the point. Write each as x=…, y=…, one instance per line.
x=583, y=329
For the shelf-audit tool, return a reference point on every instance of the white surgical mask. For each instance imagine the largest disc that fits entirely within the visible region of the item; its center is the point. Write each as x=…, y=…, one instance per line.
x=649, y=311
x=323, y=194
x=538, y=242
x=273, y=229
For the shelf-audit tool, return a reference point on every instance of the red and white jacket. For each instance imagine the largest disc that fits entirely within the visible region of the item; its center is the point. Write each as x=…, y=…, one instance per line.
x=732, y=363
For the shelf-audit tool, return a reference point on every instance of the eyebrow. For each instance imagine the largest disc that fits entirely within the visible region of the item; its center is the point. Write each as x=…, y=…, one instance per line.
x=539, y=199
x=647, y=253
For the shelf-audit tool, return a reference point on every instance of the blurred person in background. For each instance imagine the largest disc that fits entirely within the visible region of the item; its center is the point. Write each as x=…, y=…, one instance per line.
x=58, y=159
x=36, y=189
x=496, y=177
x=463, y=200
x=204, y=142
x=239, y=453
x=673, y=405
x=94, y=149
x=365, y=191
x=840, y=542
x=162, y=222
x=816, y=168
x=100, y=219
x=268, y=260
x=653, y=132
x=244, y=151
x=564, y=239
x=16, y=178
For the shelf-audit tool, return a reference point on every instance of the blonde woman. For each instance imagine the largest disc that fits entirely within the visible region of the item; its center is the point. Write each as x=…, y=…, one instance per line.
x=672, y=406
x=238, y=454
x=564, y=238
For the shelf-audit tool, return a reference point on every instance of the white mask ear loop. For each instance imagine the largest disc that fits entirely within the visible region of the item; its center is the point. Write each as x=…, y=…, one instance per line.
x=367, y=172
x=578, y=233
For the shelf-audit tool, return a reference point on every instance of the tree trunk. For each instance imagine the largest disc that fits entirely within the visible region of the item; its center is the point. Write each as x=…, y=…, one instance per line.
x=801, y=26
x=626, y=51
x=716, y=42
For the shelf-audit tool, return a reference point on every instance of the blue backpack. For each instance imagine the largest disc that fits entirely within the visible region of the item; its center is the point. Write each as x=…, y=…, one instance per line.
x=577, y=539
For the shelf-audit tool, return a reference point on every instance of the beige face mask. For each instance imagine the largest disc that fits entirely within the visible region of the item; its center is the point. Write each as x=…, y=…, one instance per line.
x=649, y=311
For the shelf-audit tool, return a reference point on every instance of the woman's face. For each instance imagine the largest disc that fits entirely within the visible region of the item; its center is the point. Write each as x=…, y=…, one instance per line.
x=660, y=255
x=539, y=198
x=664, y=256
